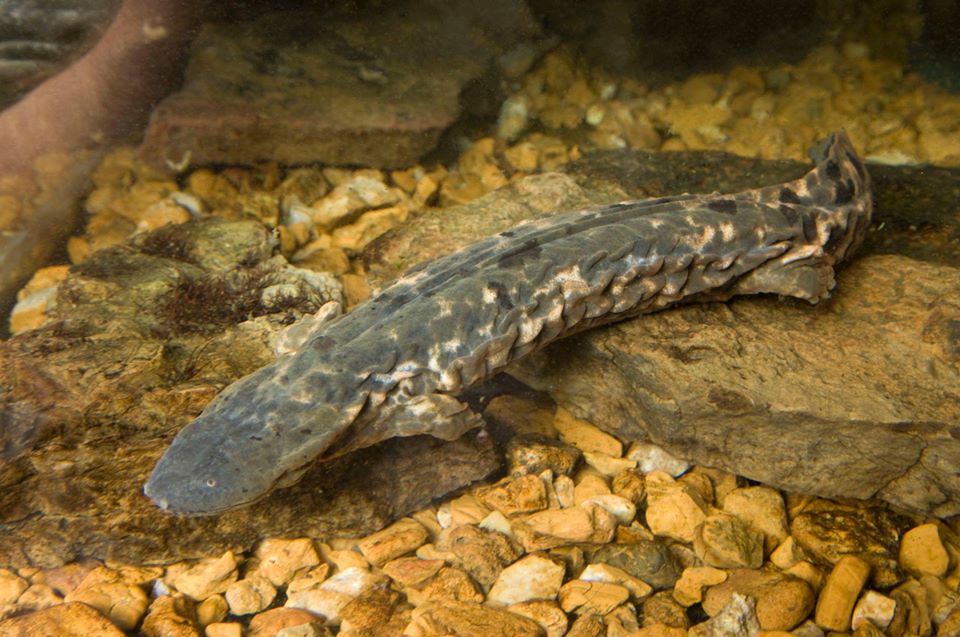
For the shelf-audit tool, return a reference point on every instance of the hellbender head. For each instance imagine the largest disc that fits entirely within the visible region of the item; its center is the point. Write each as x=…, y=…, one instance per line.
x=251, y=439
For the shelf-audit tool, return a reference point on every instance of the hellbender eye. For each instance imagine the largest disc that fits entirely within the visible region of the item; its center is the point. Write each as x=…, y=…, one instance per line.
x=211, y=482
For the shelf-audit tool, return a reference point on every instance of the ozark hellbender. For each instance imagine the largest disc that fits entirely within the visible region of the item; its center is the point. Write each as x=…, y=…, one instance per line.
x=395, y=365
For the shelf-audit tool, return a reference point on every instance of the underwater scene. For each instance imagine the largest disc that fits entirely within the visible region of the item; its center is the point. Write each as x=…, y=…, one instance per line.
x=528, y=317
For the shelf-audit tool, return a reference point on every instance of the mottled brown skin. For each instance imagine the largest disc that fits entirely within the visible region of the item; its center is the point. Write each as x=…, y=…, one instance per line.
x=395, y=365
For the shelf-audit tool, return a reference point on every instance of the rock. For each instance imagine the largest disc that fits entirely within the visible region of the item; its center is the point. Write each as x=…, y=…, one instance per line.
x=347, y=102
x=224, y=629
x=912, y=616
x=534, y=454
x=607, y=465
x=619, y=507
x=483, y=554
x=631, y=485
x=250, y=595
x=738, y=619
x=205, y=578
x=599, y=598
x=122, y=603
x=873, y=608
x=587, y=626
x=829, y=530
x=467, y=509
x=370, y=610
x=280, y=560
x=314, y=577
x=11, y=587
x=511, y=497
x=781, y=601
x=37, y=597
x=64, y=620
x=212, y=610
x=674, y=510
x=650, y=458
x=649, y=561
x=548, y=615
x=694, y=581
x=333, y=594
x=535, y=577
x=585, y=435
x=468, y=620
x=269, y=623
x=588, y=485
x=599, y=572
x=448, y=584
x=663, y=610
x=763, y=510
x=840, y=592
x=725, y=541
x=787, y=553
x=922, y=552
x=556, y=527
x=412, y=571
x=170, y=617
x=181, y=306
x=400, y=538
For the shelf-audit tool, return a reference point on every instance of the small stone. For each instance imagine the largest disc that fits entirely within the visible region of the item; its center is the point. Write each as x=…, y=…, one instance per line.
x=737, y=619
x=312, y=578
x=465, y=619
x=514, y=114
x=498, y=522
x=369, y=226
x=11, y=587
x=212, y=610
x=482, y=553
x=873, y=608
x=650, y=561
x=674, y=510
x=808, y=629
x=63, y=620
x=588, y=626
x=269, y=623
x=170, y=617
x=281, y=560
x=250, y=595
x=204, y=578
x=566, y=492
x=763, y=510
x=371, y=609
x=660, y=608
x=650, y=457
x=123, y=604
x=223, y=629
x=725, y=541
x=467, y=509
x=600, y=572
x=589, y=484
x=329, y=597
x=37, y=597
x=787, y=554
x=449, y=584
x=840, y=592
x=694, y=581
x=922, y=552
x=808, y=573
x=534, y=454
x=547, y=529
x=585, y=435
x=400, y=538
x=523, y=157
x=660, y=630
x=619, y=507
x=599, y=598
x=912, y=616
x=349, y=198
x=66, y=578
x=631, y=485
x=607, y=465
x=525, y=494
x=547, y=614
x=304, y=630
x=411, y=571
x=782, y=601
x=535, y=577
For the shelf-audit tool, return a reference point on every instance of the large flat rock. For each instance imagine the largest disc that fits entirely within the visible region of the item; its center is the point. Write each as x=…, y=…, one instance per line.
x=143, y=336
x=858, y=396
x=374, y=88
